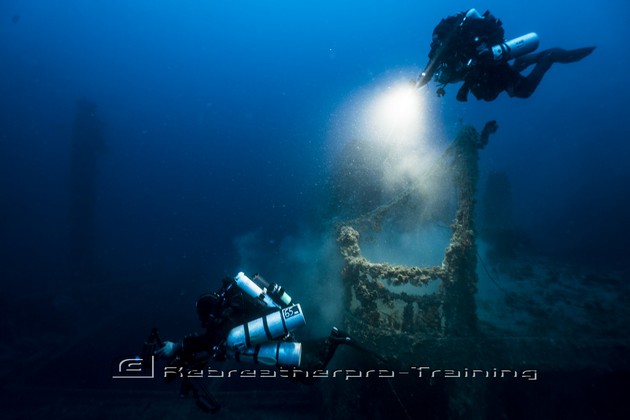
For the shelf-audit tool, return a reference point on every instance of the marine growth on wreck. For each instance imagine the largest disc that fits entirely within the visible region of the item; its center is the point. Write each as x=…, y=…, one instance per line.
x=378, y=312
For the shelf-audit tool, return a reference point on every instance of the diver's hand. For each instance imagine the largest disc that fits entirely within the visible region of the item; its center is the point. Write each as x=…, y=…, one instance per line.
x=219, y=353
x=168, y=350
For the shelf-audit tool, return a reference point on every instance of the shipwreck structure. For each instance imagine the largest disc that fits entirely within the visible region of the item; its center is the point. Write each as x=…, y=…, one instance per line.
x=426, y=327
x=376, y=310
x=473, y=366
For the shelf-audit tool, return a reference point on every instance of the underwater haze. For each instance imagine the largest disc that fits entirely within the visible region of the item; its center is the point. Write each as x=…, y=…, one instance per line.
x=150, y=148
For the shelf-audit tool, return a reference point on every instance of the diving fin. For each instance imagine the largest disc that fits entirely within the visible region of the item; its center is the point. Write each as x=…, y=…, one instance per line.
x=552, y=55
x=559, y=55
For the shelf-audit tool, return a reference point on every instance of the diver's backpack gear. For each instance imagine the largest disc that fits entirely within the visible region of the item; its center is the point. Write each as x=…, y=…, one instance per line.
x=273, y=290
x=274, y=354
x=253, y=290
x=269, y=327
x=271, y=296
x=279, y=295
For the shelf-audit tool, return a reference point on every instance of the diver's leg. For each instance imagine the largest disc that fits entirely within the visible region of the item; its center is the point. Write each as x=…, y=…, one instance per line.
x=317, y=354
x=523, y=87
x=521, y=63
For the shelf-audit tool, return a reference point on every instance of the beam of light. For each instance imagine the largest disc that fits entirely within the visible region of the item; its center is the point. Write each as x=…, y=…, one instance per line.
x=395, y=114
x=399, y=107
x=392, y=128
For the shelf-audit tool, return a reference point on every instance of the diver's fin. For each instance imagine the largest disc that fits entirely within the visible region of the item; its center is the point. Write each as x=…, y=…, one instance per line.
x=552, y=55
x=559, y=55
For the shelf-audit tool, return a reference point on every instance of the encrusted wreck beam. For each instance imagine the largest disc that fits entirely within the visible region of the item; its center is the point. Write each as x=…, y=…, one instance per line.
x=396, y=275
x=364, y=280
x=460, y=260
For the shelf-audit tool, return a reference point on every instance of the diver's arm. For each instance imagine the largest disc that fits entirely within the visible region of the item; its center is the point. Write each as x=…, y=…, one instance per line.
x=426, y=75
x=210, y=343
x=189, y=346
x=445, y=43
x=462, y=93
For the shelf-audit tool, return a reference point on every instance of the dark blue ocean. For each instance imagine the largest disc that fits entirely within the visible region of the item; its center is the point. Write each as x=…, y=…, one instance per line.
x=149, y=149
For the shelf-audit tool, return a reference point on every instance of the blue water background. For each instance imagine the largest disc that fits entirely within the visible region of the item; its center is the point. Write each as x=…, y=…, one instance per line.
x=218, y=119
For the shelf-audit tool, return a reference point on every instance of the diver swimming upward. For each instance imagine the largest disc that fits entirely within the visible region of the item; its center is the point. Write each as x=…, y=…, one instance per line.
x=471, y=48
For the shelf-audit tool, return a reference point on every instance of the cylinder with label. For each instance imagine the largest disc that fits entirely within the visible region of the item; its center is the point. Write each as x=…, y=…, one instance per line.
x=269, y=327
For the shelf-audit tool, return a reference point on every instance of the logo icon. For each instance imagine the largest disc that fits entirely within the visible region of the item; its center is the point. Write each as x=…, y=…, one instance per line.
x=134, y=368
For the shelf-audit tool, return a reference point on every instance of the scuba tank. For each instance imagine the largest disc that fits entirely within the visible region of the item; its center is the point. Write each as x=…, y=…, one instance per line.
x=274, y=291
x=274, y=354
x=515, y=47
x=273, y=296
x=269, y=327
x=253, y=290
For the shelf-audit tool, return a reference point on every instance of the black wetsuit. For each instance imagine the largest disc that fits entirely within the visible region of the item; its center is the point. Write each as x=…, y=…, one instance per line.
x=456, y=55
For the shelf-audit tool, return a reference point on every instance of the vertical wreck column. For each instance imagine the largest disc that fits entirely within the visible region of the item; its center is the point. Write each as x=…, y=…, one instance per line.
x=460, y=261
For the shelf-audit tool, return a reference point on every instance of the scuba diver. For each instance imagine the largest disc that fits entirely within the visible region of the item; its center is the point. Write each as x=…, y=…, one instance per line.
x=470, y=47
x=248, y=320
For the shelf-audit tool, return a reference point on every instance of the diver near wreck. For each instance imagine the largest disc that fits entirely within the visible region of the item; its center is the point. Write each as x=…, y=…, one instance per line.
x=248, y=320
x=470, y=47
